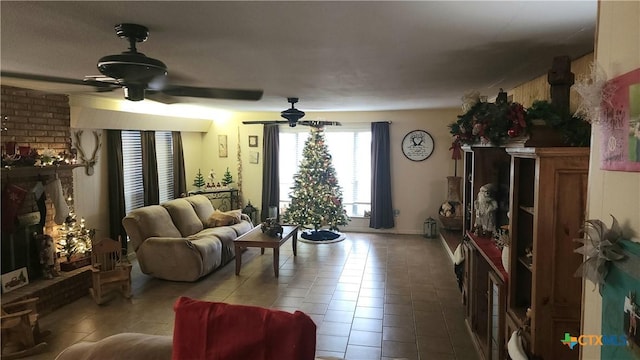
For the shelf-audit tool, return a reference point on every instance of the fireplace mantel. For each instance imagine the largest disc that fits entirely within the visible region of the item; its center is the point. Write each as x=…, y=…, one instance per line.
x=29, y=171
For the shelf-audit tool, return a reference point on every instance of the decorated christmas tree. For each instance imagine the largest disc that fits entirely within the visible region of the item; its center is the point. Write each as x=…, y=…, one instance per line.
x=199, y=180
x=316, y=197
x=227, y=178
x=74, y=237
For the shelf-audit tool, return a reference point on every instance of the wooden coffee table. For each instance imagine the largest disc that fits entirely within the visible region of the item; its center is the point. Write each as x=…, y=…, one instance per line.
x=256, y=238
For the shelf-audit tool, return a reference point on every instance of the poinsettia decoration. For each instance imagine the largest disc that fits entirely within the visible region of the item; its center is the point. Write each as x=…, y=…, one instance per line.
x=600, y=247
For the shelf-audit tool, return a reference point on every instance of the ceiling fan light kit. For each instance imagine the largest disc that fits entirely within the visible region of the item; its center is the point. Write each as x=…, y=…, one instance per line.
x=292, y=114
x=132, y=69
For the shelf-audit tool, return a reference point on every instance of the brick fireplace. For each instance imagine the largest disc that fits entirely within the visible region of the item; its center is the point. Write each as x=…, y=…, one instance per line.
x=37, y=120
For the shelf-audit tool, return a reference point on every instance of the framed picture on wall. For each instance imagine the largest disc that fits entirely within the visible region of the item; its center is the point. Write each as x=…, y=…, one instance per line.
x=253, y=140
x=620, y=146
x=222, y=146
x=15, y=279
x=254, y=157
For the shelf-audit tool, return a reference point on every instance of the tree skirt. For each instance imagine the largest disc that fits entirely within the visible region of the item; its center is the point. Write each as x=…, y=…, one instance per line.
x=320, y=237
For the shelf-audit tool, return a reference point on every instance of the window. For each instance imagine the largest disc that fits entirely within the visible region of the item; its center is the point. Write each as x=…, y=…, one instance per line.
x=132, y=167
x=350, y=149
x=164, y=154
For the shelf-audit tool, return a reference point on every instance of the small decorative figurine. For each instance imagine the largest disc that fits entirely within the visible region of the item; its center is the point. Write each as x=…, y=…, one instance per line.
x=47, y=256
x=485, y=207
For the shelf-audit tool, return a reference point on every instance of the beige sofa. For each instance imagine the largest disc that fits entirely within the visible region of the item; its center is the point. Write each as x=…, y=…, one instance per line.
x=172, y=240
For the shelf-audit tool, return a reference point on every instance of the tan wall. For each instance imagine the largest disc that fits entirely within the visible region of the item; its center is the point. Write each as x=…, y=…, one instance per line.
x=612, y=192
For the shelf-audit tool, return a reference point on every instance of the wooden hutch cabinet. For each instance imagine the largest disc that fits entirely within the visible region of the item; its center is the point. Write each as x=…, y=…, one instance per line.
x=541, y=195
x=547, y=210
x=485, y=281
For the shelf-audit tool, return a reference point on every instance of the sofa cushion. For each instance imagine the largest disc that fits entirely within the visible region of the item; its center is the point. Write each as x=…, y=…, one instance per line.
x=242, y=227
x=202, y=206
x=149, y=221
x=226, y=235
x=210, y=330
x=220, y=218
x=184, y=216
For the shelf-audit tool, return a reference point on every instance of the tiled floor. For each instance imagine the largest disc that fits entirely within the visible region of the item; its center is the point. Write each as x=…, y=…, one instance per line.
x=372, y=296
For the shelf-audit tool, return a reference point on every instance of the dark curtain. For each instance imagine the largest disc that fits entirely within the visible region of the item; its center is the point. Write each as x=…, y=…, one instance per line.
x=150, y=168
x=381, y=207
x=179, y=180
x=270, y=170
x=115, y=177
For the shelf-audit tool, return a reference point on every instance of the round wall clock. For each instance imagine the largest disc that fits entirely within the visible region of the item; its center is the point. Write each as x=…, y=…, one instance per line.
x=417, y=145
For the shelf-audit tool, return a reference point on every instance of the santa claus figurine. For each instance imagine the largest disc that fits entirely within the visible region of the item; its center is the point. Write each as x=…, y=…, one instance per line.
x=485, y=208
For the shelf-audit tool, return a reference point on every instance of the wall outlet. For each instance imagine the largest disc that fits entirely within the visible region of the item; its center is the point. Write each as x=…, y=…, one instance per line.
x=396, y=212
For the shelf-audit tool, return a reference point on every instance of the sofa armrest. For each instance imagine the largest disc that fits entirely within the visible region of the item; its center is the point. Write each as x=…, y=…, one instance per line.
x=246, y=218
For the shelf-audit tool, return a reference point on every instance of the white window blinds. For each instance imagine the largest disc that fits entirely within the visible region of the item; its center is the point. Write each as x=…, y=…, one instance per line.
x=132, y=168
x=164, y=157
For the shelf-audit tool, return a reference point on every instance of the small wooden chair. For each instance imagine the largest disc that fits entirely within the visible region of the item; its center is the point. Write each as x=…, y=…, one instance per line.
x=110, y=270
x=20, y=330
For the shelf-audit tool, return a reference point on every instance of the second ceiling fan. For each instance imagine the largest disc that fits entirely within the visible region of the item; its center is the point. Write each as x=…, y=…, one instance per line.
x=292, y=117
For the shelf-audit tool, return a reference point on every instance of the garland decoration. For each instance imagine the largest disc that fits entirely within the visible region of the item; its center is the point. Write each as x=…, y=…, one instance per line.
x=496, y=123
x=490, y=123
x=575, y=130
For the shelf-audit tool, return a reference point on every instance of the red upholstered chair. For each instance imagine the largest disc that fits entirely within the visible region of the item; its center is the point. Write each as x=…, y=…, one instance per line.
x=219, y=331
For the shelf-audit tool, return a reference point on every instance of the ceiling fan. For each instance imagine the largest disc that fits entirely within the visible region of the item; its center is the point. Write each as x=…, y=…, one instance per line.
x=139, y=75
x=292, y=117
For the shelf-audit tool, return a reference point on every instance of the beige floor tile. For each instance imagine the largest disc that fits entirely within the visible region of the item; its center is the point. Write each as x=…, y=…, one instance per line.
x=342, y=305
x=394, y=349
x=331, y=343
x=369, y=312
x=365, y=324
x=357, y=352
x=398, y=309
x=338, y=316
x=364, y=301
x=319, y=298
x=334, y=328
x=404, y=320
x=365, y=338
x=400, y=334
x=345, y=295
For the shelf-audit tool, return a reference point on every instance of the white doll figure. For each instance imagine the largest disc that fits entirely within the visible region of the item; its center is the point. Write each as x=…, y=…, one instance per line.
x=486, y=206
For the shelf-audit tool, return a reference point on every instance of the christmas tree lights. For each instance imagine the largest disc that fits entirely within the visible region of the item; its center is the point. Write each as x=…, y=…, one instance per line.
x=316, y=197
x=73, y=236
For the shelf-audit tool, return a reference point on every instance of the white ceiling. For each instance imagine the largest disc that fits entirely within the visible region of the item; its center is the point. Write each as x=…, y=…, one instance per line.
x=334, y=56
